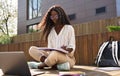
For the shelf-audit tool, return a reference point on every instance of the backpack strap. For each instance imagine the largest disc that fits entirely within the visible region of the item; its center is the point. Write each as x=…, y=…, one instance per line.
x=100, y=52
x=113, y=51
x=116, y=52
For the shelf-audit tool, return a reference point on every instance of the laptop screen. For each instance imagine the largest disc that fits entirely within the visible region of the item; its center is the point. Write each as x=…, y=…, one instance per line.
x=14, y=63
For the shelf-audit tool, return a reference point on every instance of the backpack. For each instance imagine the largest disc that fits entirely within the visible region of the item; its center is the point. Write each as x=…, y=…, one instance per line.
x=108, y=54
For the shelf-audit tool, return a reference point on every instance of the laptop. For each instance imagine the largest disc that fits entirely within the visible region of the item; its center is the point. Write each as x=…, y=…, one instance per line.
x=14, y=64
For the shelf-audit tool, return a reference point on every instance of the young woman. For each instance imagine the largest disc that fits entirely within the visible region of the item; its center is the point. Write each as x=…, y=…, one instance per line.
x=59, y=34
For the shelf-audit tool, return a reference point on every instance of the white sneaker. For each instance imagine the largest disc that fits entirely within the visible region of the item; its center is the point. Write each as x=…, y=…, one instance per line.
x=63, y=66
x=33, y=64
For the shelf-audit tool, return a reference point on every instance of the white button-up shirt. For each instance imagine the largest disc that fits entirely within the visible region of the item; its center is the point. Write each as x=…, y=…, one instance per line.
x=66, y=37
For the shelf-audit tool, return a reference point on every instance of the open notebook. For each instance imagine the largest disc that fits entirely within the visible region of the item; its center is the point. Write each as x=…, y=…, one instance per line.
x=53, y=49
x=15, y=64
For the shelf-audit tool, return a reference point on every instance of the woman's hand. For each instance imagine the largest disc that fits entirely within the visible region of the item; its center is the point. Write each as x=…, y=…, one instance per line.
x=67, y=49
x=64, y=47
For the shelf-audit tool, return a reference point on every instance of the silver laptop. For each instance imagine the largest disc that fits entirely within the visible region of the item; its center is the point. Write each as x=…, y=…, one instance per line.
x=14, y=63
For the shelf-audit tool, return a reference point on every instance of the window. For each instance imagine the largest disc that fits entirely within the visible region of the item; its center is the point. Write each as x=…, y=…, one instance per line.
x=34, y=9
x=72, y=16
x=100, y=10
x=32, y=28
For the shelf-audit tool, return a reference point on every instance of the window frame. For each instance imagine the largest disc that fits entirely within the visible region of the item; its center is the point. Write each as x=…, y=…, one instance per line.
x=100, y=10
x=27, y=30
x=39, y=13
x=72, y=16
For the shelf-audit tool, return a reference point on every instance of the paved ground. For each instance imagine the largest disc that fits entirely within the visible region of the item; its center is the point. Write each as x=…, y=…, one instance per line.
x=87, y=70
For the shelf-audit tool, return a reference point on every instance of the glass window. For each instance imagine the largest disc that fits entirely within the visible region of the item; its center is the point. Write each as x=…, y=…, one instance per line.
x=32, y=28
x=72, y=16
x=100, y=10
x=34, y=8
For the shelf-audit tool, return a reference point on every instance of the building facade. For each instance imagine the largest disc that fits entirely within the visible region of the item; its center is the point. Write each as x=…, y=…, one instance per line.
x=30, y=12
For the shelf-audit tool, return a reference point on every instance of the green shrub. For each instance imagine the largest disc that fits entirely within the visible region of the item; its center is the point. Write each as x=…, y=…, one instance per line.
x=5, y=39
x=112, y=28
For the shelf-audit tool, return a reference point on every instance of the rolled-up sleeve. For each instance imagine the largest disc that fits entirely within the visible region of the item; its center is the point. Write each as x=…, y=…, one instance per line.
x=71, y=36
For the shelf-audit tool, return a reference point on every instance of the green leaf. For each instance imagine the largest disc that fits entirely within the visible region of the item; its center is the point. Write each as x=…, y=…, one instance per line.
x=113, y=28
x=5, y=39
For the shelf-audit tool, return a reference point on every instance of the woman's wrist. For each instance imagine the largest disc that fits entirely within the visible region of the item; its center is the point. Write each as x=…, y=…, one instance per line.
x=69, y=49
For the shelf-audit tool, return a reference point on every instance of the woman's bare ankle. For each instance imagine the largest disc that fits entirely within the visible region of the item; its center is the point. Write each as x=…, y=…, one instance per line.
x=42, y=59
x=54, y=66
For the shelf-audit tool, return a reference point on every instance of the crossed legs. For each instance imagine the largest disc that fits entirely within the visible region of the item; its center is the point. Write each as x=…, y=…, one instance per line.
x=49, y=58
